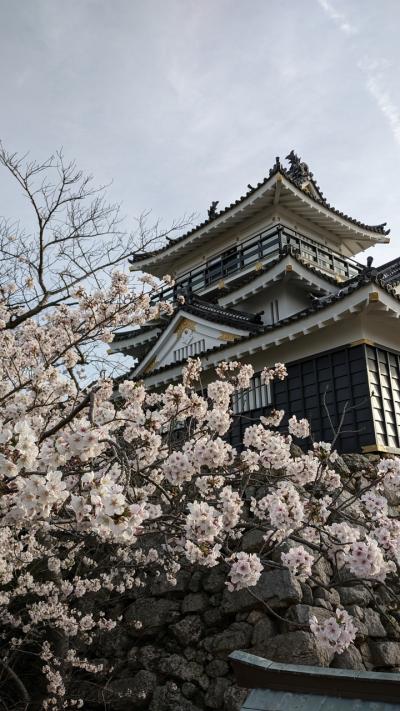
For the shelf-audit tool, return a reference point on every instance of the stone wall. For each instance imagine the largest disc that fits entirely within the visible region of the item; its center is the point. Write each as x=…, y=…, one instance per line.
x=177, y=659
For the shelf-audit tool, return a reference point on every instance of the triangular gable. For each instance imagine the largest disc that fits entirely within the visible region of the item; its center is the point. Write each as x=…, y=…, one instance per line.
x=186, y=336
x=289, y=266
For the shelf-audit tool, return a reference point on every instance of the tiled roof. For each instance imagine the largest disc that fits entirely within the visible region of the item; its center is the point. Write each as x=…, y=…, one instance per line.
x=220, y=314
x=277, y=168
x=390, y=272
x=122, y=335
x=212, y=312
x=318, y=305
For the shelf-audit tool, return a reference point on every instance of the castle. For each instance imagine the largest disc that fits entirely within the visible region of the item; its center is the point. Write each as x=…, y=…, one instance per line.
x=272, y=278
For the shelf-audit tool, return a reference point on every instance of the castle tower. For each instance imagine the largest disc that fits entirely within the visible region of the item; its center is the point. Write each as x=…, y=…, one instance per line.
x=272, y=278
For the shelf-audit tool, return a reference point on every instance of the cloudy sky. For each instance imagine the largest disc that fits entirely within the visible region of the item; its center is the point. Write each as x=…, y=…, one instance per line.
x=181, y=102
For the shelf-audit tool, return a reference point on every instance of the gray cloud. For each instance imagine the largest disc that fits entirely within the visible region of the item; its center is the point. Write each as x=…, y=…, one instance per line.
x=338, y=17
x=373, y=69
x=388, y=108
x=181, y=102
x=375, y=83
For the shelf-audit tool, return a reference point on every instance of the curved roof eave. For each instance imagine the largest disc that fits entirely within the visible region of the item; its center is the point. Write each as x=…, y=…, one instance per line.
x=243, y=206
x=349, y=289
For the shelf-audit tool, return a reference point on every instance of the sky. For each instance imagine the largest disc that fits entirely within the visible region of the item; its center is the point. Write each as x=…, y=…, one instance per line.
x=181, y=102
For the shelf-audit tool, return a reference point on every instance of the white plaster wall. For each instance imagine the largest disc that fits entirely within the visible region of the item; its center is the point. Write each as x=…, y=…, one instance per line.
x=167, y=354
x=383, y=330
x=343, y=333
x=291, y=299
x=378, y=328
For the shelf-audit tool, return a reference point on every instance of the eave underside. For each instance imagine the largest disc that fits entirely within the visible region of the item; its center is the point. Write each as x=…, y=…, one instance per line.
x=278, y=192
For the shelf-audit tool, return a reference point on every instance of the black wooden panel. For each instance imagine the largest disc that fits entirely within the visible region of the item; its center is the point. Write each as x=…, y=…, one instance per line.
x=337, y=380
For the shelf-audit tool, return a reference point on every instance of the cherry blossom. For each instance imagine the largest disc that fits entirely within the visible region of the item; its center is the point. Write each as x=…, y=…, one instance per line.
x=298, y=428
x=335, y=633
x=278, y=372
x=245, y=571
x=102, y=466
x=365, y=559
x=299, y=561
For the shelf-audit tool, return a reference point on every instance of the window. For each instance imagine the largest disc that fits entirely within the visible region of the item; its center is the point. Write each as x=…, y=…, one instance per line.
x=190, y=350
x=252, y=398
x=384, y=379
x=308, y=251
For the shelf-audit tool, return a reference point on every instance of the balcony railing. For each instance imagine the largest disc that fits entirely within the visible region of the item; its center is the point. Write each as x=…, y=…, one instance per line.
x=262, y=249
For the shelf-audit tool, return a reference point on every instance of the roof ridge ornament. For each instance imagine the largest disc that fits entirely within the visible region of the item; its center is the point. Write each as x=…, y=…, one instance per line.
x=302, y=177
x=212, y=210
x=299, y=171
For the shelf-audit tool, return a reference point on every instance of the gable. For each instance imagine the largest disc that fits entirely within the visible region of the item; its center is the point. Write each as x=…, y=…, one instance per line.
x=187, y=336
x=287, y=270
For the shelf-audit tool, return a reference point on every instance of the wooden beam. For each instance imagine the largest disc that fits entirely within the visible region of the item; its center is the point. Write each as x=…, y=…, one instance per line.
x=380, y=448
x=278, y=187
